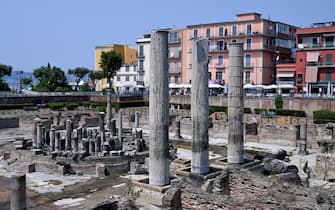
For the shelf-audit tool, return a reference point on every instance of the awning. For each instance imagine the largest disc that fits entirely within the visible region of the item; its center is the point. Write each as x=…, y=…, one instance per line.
x=313, y=56
x=286, y=86
x=285, y=74
x=270, y=87
x=311, y=73
x=213, y=85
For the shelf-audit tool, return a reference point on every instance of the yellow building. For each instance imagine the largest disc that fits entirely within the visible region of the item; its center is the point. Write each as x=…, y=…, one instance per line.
x=128, y=56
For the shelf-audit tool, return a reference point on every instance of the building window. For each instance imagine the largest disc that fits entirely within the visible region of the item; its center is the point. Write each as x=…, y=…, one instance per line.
x=315, y=41
x=210, y=59
x=141, y=77
x=127, y=68
x=248, y=60
x=141, y=53
x=173, y=37
x=329, y=58
x=118, y=78
x=248, y=29
x=299, y=78
x=282, y=28
x=247, y=77
x=328, y=76
x=220, y=59
x=127, y=78
x=195, y=33
x=329, y=41
x=176, y=67
x=141, y=65
x=221, y=31
x=234, y=30
x=248, y=44
x=176, y=79
x=134, y=67
x=219, y=45
x=218, y=75
x=209, y=75
x=208, y=32
x=134, y=78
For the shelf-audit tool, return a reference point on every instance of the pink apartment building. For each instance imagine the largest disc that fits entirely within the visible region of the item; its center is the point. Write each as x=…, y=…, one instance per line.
x=265, y=42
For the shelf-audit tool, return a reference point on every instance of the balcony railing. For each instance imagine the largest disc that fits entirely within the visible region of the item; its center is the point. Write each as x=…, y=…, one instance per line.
x=174, y=71
x=279, y=82
x=174, y=40
x=323, y=63
x=175, y=55
x=217, y=49
x=140, y=55
x=314, y=46
x=219, y=65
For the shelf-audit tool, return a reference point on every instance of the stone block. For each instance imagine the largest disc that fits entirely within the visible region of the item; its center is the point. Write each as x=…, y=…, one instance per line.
x=32, y=168
x=172, y=199
x=100, y=170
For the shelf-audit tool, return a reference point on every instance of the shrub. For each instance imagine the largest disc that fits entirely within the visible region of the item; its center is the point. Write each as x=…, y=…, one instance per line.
x=247, y=110
x=213, y=109
x=323, y=116
x=101, y=108
x=14, y=106
x=56, y=105
x=288, y=112
x=124, y=104
x=259, y=110
x=71, y=105
x=279, y=102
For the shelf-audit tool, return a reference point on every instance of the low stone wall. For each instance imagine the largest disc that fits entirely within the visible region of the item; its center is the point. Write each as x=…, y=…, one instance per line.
x=307, y=104
x=9, y=122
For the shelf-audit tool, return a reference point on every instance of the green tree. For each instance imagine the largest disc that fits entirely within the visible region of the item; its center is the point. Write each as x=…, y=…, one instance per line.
x=27, y=81
x=50, y=79
x=279, y=102
x=4, y=71
x=79, y=73
x=94, y=76
x=110, y=63
x=85, y=87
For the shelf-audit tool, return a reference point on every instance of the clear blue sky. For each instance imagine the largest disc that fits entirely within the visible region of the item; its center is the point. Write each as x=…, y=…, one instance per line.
x=65, y=32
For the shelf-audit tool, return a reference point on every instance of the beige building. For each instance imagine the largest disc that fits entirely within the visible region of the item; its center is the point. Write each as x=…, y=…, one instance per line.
x=128, y=57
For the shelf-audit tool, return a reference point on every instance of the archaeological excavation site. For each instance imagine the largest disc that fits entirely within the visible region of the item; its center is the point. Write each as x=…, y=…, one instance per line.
x=171, y=153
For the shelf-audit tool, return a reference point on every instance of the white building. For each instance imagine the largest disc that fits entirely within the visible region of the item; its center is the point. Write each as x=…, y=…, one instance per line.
x=126, y=78
x=143, y=60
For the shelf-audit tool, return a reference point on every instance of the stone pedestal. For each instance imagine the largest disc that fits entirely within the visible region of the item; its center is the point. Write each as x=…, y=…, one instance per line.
x=303, y=140
x=18, y=192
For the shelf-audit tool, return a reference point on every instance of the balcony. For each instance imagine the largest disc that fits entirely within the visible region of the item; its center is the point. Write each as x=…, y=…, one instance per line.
x=175, y=55
x=140, y=55
x=323, y=64
x=307, y=46
x=174, y=70
x=283, y=82
x=219, y=66
x=140, y=83
x=174, y=40
x=217, y=49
